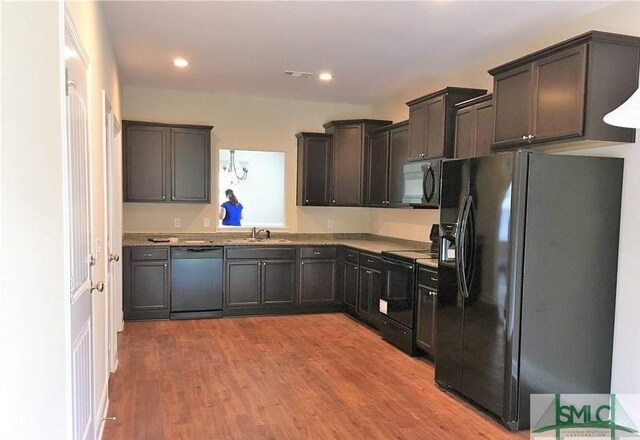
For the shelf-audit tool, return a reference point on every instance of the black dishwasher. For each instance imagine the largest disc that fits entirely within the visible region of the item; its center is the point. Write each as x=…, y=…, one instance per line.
x=196, y=282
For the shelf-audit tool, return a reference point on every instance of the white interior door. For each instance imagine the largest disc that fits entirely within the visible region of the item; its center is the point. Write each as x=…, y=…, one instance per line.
x=113, y=239
x=79, y=227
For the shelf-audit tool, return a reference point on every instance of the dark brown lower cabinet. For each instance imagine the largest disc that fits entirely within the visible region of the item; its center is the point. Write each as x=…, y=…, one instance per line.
x=317, y=281
x=146, y=283
x=242, y=280
x=426, y=312
x=369, y=295
x=278, y=282
x=253, y=283
x=350, y=283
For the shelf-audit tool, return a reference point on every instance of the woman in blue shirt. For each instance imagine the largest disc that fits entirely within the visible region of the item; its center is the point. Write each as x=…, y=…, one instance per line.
x=231, y=210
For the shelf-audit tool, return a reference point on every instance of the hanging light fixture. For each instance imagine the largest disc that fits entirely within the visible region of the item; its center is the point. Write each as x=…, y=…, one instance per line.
x=230, y=167
x=627, y=115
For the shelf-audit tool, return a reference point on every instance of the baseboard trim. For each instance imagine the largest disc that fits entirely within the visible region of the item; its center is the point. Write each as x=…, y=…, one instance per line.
x=101, y=414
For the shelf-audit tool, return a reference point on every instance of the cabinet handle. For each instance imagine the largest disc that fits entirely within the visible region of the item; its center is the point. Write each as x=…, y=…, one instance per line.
x=316, y=253
x=369, y=261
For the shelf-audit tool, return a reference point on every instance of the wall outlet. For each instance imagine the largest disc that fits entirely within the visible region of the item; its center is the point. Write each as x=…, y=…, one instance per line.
x=206, y=223
x=330, y=223
x=176, y=222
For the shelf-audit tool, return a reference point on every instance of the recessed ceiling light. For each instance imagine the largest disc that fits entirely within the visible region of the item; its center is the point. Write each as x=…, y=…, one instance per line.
x=180, y=62
x=325, y=76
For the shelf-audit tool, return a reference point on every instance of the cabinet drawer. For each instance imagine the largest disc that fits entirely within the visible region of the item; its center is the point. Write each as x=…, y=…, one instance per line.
x=351, y=256
x=371, y=262
x=257, y=253
x=428, y=277
x=149, y=253
x=318, y=252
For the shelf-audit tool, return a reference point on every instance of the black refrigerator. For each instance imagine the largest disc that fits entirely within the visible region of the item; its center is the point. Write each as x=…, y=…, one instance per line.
x=527, y=278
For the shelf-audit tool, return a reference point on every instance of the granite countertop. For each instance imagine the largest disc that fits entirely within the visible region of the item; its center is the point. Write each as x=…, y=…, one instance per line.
x=428, y=262
x=365, y=242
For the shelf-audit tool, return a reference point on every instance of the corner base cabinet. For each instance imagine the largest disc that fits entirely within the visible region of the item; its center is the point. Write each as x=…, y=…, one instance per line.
x=317, y=276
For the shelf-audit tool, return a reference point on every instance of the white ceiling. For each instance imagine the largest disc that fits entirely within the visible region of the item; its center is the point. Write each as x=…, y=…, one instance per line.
x=373, y=48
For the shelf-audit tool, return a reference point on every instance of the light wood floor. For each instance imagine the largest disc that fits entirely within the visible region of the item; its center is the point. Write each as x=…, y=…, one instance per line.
x=281, y=377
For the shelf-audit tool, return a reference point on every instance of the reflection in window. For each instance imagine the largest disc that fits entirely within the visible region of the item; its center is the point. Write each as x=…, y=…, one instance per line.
x=259, y=189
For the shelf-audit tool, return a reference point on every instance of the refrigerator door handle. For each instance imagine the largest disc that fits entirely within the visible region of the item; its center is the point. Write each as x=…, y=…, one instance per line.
x=462, y=251
x=459, y=238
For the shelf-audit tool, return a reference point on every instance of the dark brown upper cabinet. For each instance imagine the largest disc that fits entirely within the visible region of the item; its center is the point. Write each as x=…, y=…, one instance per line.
x=387, y=152
x=474, y=127
x=432, y=122
x=558, y=96
x=166, y=163
x=314, y=169
x=348, y=174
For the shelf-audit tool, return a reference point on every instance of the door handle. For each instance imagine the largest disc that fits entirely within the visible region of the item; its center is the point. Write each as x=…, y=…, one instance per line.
x=114, y=257
x=463, y=245
x=98, y=286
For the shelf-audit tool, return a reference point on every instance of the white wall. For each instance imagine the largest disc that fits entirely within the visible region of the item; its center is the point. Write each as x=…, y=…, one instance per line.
x=34, y=377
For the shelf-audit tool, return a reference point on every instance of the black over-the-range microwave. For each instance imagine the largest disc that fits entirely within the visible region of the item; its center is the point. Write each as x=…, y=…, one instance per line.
x=422, y=183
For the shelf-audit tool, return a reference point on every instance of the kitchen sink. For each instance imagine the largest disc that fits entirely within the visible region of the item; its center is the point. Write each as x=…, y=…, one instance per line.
x=257, y=240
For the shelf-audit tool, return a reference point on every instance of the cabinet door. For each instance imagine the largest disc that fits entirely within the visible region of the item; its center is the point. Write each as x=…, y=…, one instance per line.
x=378, y=165
x=417, y=124
x=242, y=280
x=435, y=127
x=559, y=94
x=364, y=292
x=351, y=279
x=149, y=290
x=346, y=172
x=483, y=129
x=190, y=165
x=465, y=133
x=278, y=282
x=425, y=334
x=314, y=171
x=398, y=156
x=375, y=286
x=512, y=96
x=317, y=281
x=145, y=159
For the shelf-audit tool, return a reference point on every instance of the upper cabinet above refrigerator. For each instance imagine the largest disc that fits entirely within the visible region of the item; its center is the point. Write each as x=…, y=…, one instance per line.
x=432, y=122
x=560, y=94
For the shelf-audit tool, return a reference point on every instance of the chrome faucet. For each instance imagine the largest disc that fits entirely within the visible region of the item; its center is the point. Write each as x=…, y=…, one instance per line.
x=255, y=233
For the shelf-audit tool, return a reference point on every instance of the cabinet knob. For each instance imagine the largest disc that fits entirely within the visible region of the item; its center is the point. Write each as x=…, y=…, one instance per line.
x=530, y=137
x=333, y=201
x=524, y=138
x=165, y=264
x=302, y=264
x=355, y=267
x=306, y=201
